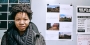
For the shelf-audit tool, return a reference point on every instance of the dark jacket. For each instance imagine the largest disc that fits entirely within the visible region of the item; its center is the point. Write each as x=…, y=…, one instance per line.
x=38, y=39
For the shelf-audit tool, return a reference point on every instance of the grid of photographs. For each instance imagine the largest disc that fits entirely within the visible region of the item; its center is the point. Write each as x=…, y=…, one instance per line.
x=5, y=7
x=59, y=21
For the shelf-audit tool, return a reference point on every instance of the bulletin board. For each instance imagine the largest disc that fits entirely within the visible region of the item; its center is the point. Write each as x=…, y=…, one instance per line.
x=5, y=6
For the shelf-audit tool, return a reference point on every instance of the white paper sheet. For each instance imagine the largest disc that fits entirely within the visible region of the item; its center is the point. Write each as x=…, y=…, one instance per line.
x=83, y=40
x=59, y=20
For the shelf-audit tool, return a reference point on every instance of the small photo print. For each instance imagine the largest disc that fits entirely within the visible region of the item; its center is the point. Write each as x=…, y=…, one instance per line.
x=3, y=1
x=81, y=30
x=64, y=35
x=53, y=8
x=53, y=26
x=65, y=18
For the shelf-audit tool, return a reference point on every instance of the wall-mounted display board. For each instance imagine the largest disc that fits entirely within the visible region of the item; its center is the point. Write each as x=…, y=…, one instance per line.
x=5, y=17
x=59, y=22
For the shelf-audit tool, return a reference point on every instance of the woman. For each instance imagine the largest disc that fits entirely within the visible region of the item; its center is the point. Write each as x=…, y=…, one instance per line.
x=23, y=31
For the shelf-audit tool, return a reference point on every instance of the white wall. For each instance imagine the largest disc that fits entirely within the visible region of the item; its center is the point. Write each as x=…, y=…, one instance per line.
x=39, y=15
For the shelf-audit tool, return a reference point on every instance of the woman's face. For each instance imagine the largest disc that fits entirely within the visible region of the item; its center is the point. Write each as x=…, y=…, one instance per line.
x=22, y=21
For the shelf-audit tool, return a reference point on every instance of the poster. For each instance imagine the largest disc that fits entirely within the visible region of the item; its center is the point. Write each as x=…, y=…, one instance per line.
x=83, y=20
x=83, y=40
x=59, y=20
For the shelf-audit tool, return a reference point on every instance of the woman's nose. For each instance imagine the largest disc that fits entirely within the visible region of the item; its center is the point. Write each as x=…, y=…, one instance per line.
x=22, y=22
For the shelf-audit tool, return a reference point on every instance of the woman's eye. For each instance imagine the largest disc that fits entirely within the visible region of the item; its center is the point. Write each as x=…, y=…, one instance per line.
x=17, y=19
x=25, y=19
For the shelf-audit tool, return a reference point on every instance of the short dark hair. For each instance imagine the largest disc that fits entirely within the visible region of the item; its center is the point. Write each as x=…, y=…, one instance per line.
x=21, y=8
